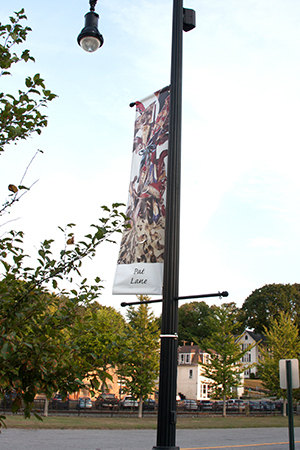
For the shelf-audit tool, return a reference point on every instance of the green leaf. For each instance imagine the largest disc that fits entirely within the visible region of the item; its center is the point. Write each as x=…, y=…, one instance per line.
x=4, y=350
x=38, y=417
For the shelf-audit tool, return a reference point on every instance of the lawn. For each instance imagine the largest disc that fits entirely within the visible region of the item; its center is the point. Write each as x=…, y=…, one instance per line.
x=119, y=423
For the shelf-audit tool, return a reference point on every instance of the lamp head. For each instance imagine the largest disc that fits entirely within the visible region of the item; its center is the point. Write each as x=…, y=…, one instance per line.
x=90, y=38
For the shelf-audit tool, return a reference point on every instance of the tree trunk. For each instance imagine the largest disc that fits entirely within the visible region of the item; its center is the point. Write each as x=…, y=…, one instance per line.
x=140, y=409
x=284, y=407
x=224, y=406
x=46, y=407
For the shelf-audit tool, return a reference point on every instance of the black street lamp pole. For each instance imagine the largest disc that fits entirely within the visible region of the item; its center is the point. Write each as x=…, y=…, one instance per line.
x=183, y=19
x=166, y=421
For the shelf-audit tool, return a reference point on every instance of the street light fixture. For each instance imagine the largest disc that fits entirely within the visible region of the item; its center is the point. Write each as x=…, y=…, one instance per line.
x=89, y=38
x=183, y=20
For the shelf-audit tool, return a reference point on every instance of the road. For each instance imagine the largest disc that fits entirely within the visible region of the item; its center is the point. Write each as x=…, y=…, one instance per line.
x=213, y=439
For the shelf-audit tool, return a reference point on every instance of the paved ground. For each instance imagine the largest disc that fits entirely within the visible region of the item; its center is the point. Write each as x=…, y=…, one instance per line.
x=229, y=439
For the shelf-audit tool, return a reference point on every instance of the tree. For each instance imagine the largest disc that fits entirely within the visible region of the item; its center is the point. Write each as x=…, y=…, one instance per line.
x=193, y=325
x=39, y=316
x=99, y=342
x=36, y=326
x=268, y=302
x=282, y=342
x=141, y=355
x=224, y=366
x=20, y=115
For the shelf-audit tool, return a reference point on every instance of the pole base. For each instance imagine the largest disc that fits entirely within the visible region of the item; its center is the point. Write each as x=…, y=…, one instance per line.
x=165, y=448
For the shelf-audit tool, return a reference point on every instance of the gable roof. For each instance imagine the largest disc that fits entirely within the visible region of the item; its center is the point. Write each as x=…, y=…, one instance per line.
x=256, y=336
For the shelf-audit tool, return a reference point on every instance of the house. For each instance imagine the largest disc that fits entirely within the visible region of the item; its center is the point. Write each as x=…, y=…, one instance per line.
x=249, y=339
x=190, y=380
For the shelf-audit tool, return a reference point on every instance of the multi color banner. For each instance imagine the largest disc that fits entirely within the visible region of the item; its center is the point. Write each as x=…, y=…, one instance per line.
x=140, y=263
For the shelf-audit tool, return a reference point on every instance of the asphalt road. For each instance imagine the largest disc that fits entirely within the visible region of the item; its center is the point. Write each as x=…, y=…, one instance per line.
x=229, y=439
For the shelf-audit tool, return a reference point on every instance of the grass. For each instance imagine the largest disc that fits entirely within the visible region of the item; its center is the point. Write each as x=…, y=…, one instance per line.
x=126, y=423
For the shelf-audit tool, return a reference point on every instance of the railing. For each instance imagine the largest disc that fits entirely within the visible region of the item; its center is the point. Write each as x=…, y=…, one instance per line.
x=249, y=408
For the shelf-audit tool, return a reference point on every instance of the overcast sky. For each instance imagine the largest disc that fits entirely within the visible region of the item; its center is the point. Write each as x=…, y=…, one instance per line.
x=240, y=217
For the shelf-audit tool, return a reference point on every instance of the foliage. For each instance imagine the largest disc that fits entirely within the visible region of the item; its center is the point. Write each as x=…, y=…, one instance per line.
x=193, y=324
x=141, y=352
x=224, y=366
x=37, y=352
x=20, y=115
x=17, y=192
x=282, y=343
x=99, y=343
x=36, y=355
x=268, y=302
x=39, y=329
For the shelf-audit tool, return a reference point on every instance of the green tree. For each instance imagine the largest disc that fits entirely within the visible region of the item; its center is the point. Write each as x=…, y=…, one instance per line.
x=99, y=342
x=20, y=115
x=268, y=302
x=193, y=323
x=37, y=352
x=224, y=366
x=37, y=326
x=141, y=353
x=282, y=343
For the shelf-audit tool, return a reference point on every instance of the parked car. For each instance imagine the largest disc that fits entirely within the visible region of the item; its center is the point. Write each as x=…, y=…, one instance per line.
x=106, y=401
x=254, y=405
x=218, y=406
x=267, y=406
x=205, y=405
x=149, y=404
x=278, y=405
x=58, y=403
x=235, y=405
x=84, y=403
x=128, y=402
x=231, y=405
x=187, y=405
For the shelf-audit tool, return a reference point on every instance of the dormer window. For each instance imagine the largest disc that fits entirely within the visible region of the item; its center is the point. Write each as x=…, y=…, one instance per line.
x=184, y=358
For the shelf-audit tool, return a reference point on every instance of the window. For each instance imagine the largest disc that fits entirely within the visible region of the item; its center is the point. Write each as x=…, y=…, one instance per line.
x=184, y=358
x=191, y=373
x=246, y=358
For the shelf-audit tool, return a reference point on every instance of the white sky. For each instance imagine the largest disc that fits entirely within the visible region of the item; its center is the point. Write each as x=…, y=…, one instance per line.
x=240, y=215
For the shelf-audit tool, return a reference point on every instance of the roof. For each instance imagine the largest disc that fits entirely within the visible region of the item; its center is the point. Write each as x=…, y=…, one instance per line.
x=257, y=337
x=189, y=349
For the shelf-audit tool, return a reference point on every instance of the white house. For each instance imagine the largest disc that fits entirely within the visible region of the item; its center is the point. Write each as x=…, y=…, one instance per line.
x=190, y=381
x=247, y=339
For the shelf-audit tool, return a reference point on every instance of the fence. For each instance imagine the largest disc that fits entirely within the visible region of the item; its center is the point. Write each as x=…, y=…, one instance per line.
x=72, y=407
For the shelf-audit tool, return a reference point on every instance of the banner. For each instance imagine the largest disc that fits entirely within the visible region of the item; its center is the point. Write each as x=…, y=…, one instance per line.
x=141, y=257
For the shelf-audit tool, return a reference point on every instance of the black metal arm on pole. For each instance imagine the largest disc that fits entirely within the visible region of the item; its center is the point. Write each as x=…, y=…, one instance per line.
x=140, y=303
x=188, y=297
x=218, y=294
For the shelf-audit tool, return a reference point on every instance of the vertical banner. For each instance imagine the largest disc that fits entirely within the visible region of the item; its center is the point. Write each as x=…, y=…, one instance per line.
x=140, y=262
